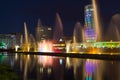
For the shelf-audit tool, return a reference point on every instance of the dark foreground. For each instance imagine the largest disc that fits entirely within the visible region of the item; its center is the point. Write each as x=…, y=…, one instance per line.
x=6, y=73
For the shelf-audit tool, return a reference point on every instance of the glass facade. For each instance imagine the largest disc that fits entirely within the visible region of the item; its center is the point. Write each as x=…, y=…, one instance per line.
x=90, y=34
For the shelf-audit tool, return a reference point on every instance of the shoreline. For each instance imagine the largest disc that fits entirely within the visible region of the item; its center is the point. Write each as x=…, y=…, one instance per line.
x=105, y=56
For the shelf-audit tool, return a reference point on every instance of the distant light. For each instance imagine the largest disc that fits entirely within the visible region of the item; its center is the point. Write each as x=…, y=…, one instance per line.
x=103, y=46
x=16, y=47
x=60, y=61
x=41, y=69
x=60, y=40
x=16, y=56
x=49, y=28
x=49, y=70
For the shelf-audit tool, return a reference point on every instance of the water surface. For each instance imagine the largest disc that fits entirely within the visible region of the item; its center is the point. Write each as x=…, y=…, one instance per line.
x=39, y=67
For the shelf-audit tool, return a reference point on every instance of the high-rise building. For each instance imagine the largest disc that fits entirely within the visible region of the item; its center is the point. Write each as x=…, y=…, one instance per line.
x=89, y=18
x=90, y=34
x=43, y=32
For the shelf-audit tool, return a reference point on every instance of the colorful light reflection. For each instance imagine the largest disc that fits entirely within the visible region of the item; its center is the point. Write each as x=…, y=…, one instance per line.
x=45, y=46
x=90, y=67
x=2, y=57
x=45, y=60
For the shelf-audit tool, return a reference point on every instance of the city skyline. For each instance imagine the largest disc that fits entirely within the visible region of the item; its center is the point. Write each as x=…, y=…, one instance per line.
x=14, y=14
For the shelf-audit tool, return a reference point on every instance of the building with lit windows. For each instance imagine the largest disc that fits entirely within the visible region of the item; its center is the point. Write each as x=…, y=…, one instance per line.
x=43, y=32
x=8, y=41
x=59, y=46
x=90, y=34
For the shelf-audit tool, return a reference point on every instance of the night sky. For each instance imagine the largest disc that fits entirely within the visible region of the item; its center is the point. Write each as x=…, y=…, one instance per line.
x=13, y=13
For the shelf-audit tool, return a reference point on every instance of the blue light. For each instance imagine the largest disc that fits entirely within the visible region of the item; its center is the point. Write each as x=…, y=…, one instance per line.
x=89, y=78
x=60, y=61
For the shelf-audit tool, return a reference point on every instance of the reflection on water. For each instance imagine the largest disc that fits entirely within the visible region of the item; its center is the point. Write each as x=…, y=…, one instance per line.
x=45, y=60
x=90, y=69
x=1, y=57
x=36, y=67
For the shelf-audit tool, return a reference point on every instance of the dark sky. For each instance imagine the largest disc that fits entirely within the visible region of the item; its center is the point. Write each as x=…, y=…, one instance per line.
x=13, y=13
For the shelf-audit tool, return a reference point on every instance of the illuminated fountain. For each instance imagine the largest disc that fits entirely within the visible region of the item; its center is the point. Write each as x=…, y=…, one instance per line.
x=114, y=34
x=26, y=45
x=45, y=46
x=42, y=45
x=68, y=46
x=38, y=30
x=58, y=31
x=49, y=46
x=77, y=36
x=113, y=30
x=96, y=20
x=85, y=38
x=33, y=45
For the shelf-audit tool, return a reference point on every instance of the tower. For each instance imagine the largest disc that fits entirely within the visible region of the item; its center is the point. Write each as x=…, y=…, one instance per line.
x=90, y=34
x=43, y=32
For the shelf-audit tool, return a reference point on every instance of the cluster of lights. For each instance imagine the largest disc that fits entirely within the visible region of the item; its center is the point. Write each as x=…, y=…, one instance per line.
x=45, y=46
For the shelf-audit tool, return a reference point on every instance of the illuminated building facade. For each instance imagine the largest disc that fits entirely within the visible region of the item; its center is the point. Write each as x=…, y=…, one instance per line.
x=90, y=35
x=9, y=40
x=43, y=32
x=59, y=46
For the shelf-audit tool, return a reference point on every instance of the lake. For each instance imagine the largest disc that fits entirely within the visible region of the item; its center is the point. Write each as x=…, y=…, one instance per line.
x=41, y=67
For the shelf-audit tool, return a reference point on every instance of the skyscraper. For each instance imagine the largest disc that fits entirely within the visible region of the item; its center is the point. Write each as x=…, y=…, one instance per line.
x=89, y=18
x=90, y=34
x=43, y=32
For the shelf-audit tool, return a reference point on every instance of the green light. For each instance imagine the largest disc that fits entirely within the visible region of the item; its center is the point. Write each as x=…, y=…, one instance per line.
x=2, y=44
x=1, y=57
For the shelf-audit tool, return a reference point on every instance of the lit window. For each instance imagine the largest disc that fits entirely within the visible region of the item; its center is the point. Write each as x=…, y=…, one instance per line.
x=49, y=28
x=60, y=40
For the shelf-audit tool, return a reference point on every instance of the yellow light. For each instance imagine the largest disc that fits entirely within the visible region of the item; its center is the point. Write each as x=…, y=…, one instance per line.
x=62, y=44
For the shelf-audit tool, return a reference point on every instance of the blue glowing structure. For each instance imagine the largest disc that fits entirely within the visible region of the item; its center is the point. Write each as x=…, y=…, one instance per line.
x=90, y=67
x=90, y=34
